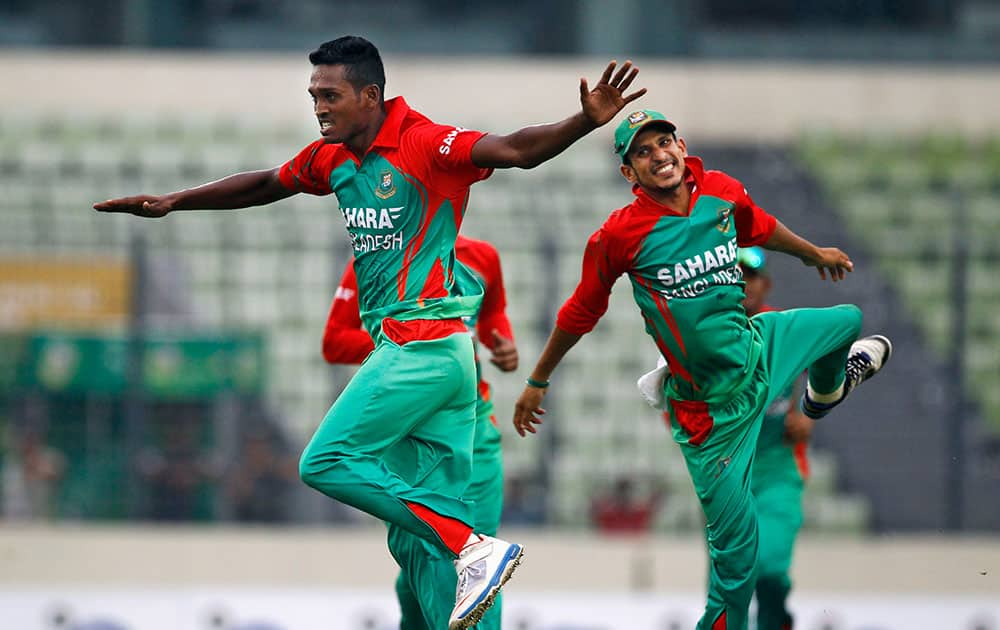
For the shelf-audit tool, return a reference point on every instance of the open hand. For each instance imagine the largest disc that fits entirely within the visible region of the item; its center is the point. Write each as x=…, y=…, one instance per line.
x=833, y=261
x=149, y=206
x=504, y=352
x=608, y=97
x=526, y=407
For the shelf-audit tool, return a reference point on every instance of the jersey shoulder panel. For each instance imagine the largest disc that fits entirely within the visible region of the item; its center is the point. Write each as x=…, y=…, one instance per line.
x=475, y=248
x=626, y=228
x=309, y=171
x=722, y=185
x=440, y=155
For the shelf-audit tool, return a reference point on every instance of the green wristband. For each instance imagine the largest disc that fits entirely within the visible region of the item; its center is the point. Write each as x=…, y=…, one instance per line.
x=538, y=384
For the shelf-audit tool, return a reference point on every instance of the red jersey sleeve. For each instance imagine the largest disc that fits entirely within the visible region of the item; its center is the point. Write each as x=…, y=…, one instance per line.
x=493, y=312
x=441, y=156
x=754, y=226
x=344, y=339
x=603, y=261
x=309, y=171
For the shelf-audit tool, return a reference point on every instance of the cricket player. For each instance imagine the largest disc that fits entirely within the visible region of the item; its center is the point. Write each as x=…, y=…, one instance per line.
x=677, y=242
x=402, y=184
x=426, y=590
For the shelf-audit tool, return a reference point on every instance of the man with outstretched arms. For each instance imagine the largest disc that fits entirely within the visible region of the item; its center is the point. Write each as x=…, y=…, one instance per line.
x=678, y=241
x=426, y=590
x=402, y=184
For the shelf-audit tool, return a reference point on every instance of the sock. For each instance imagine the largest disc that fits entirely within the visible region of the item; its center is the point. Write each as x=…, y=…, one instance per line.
x=833, y=396
x=453, y=533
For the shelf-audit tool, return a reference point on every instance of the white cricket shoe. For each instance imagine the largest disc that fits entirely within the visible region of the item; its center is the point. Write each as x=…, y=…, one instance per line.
x=868, y=355
x=483, y=568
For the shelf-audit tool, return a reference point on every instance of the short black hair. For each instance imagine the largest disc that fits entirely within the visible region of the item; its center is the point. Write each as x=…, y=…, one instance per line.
x=359, y=57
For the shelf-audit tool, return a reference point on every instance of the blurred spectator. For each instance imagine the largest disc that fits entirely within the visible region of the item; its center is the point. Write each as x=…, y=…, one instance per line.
x=178, y=475
x=622, y=510
x=983, y=622
x=261, y=481
x=222, y=619
x=63, y=618
x=32, y=475
x=523, y=503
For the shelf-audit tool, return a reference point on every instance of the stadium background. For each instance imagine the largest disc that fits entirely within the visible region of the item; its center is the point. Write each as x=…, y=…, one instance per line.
x=153, y=363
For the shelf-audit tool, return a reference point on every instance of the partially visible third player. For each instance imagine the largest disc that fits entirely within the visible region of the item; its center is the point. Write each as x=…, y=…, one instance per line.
x=780, y=469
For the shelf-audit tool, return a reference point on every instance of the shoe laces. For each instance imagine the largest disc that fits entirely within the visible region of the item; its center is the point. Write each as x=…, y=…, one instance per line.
x=858, y=366
x=470, y=575
x=463, y=585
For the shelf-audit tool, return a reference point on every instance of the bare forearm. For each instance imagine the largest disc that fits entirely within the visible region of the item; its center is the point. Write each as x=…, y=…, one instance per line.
x=528, y=147
x=558, y=345
x=788, y=242
x=243, y=190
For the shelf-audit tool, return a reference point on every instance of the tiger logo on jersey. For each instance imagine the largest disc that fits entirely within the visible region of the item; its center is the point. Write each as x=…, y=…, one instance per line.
x=386, y=188
x=725, y=219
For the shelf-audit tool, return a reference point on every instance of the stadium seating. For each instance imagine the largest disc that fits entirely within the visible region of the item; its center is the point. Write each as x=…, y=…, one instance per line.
x=911, y=201
x=275, y=269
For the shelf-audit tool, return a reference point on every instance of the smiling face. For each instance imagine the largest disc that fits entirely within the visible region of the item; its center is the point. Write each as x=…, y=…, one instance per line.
x=345, y=113
x=656, y=161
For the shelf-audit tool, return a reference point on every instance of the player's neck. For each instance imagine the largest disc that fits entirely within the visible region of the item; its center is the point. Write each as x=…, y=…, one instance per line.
x=677, y=199
x=360, y=144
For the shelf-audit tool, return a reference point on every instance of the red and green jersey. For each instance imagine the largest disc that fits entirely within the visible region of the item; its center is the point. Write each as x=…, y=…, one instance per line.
x=403, y=202
x=685, y=280
x=346, y=341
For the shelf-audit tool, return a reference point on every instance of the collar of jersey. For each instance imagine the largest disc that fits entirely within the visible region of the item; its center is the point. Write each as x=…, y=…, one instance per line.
x=396, y=110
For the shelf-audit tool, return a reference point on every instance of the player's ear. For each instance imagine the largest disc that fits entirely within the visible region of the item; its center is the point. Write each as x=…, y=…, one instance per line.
x=628, y=173
x=683, y=146
x=372, y=96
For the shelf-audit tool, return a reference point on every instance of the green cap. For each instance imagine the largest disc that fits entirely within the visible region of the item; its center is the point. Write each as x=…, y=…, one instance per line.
x=633, y=124
x=752, y=259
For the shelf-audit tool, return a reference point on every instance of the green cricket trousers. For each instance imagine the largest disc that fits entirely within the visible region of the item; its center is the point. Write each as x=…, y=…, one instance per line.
x=790, y=341
x=426, y=584
x=401, y=432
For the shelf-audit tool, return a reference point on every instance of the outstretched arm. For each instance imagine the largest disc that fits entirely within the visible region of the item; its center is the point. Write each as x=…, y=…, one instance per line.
x=254, y=188
x=528, y=404
x=603, y=262
x=530, y=146
x=826, y=259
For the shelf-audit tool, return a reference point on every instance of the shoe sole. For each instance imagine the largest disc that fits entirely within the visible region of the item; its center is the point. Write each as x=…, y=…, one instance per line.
x=476, y=614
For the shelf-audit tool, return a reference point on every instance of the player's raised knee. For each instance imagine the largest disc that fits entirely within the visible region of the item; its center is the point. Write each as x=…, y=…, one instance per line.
x=324, y=470
x=309, y=468
x=853, y=317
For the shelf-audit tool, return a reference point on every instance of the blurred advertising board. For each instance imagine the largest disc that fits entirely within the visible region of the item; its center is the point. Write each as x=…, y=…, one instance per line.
x=55, y=291
x=181, y=365
x=211, y=608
